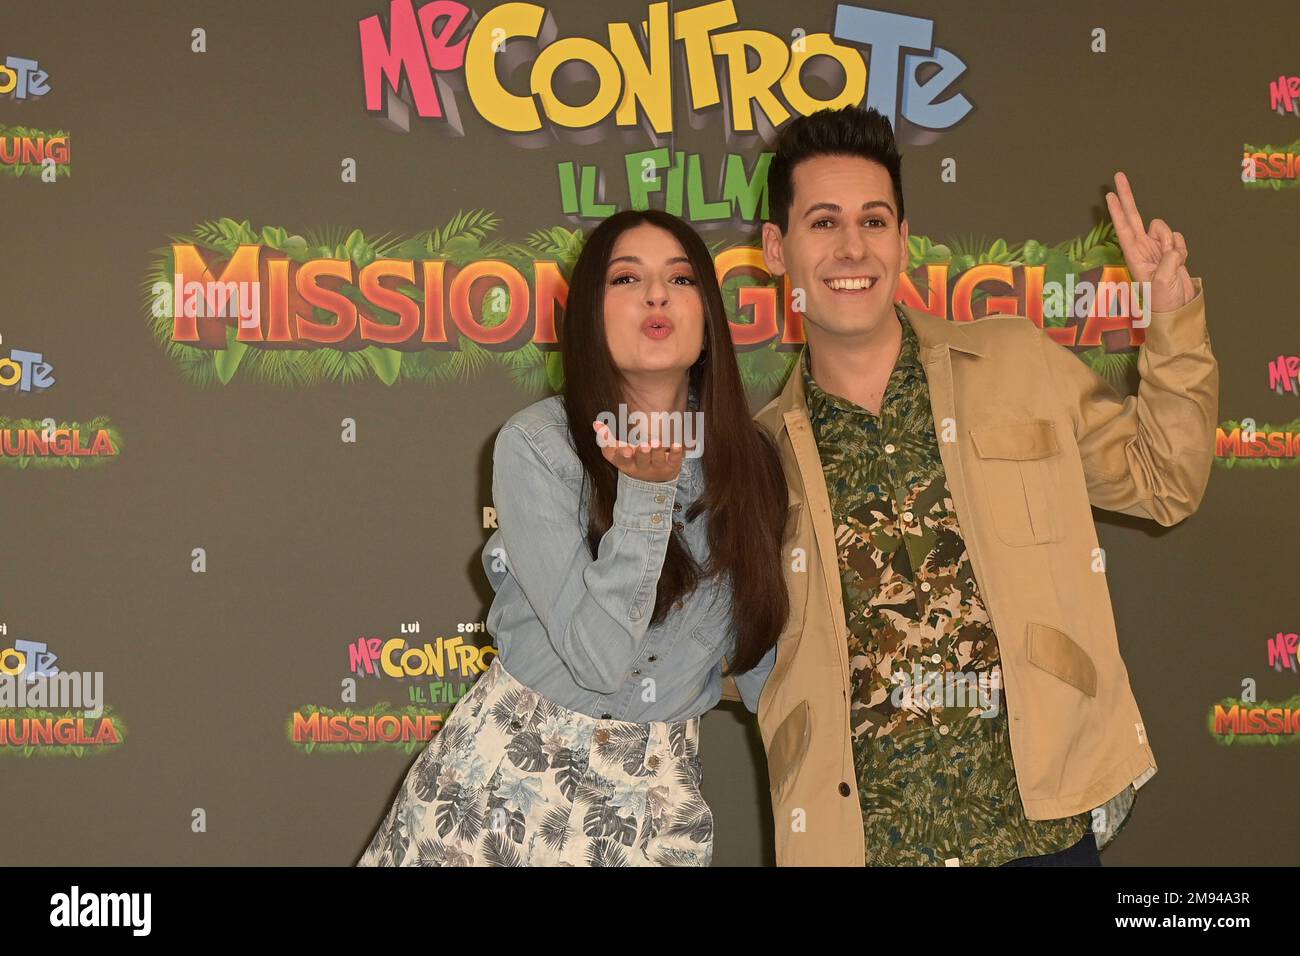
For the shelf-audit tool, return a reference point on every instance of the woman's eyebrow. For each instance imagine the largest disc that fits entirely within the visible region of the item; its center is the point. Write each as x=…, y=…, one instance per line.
x=637, y=260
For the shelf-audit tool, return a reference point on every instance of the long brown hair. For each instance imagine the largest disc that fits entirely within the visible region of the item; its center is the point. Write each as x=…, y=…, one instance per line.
x=745, y=492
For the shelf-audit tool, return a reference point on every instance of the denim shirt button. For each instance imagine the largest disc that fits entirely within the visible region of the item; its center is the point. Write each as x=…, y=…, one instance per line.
x=656, y=518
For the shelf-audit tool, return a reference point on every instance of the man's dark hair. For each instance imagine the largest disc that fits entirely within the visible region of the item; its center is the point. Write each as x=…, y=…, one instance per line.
x=851, y=131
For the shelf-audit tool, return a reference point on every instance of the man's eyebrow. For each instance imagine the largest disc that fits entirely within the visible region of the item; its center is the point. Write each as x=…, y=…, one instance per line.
x=836, y=208
x=637, y=260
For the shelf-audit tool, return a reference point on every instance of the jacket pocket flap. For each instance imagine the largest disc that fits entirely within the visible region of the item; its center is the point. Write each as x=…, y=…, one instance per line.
x=710, y=637
x=1021, y=441
x=1055, y=652
x=788, y=747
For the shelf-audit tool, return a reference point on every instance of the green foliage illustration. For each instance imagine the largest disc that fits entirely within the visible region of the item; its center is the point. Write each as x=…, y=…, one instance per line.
x=383, y=708
x=32, y=170
x=1272, y=182
x=92, y=725
x=1230, y=739
x=1261, y=430
x=467, y=238
x=88, y=431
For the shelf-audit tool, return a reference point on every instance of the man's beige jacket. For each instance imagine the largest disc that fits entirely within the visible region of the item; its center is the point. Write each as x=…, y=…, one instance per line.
x=1030, y=436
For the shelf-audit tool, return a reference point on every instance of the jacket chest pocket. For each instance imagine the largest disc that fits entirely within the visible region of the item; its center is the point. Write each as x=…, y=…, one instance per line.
x=1020, y=473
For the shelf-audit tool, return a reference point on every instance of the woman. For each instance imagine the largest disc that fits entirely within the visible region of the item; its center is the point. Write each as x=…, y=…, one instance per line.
x=579, y=745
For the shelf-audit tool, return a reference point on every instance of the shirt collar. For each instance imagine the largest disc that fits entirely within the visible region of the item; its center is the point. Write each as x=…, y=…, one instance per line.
x=820, y=402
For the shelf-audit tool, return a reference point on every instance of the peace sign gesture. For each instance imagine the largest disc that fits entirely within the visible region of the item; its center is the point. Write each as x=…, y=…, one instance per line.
x=1156, y=255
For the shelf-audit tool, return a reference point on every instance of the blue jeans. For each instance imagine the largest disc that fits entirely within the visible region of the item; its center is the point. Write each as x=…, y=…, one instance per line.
x=1083, y=853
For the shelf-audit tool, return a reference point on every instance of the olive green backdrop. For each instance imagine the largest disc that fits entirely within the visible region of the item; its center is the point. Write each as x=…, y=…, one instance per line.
x=312, y=542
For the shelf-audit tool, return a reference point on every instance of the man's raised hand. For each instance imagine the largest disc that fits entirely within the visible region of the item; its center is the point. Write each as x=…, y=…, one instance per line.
x=1157, y=255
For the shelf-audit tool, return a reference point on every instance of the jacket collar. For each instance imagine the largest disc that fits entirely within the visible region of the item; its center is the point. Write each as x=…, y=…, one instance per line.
x=934, y=335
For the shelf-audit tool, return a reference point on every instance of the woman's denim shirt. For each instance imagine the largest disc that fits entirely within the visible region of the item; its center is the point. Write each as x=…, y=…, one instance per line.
x=578, y=630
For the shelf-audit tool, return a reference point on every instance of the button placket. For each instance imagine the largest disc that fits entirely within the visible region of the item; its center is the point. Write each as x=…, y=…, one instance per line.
x=653, y=639
x=951, y=823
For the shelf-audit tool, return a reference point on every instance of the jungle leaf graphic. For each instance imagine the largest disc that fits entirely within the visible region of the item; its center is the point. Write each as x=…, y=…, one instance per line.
x=228, y=360
x=467, y=237
x=1112, y=366
x=387, y=363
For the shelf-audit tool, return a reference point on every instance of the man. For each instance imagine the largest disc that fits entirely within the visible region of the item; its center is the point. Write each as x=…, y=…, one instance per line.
x=941, y=545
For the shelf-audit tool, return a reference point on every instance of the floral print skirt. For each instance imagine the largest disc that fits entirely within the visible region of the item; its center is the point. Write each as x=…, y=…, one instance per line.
x=514, y=779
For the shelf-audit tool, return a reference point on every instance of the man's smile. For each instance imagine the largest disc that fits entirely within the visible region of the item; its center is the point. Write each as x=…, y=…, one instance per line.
x=851, y=284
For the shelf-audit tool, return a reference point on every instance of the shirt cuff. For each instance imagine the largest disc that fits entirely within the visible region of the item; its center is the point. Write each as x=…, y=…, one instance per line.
x=1180, y=330
x=644, y=505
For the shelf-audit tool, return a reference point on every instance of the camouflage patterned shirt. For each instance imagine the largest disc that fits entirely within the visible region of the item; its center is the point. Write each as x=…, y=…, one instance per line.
x=931, y=744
